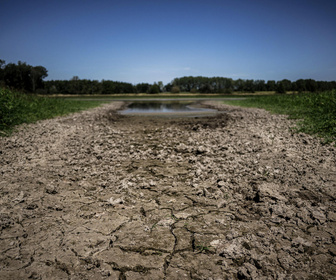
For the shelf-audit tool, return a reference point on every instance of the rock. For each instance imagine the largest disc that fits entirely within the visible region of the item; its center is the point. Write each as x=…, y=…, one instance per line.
x=299, y=241
x=152, y=183
x=319, y=216
x=269, y=191
x=116, y=201
x=166, y=222
x=182, y=215
x=247, y=271
x=332, y=216
x=202, y=150
x=233, y=250
x=220, y=184
x=5, y=221
x=32, y=206
x=215, y=243
x=221, y=203
x=20, y=198
x=332, y=251
x=51, y=189
x=181, y=148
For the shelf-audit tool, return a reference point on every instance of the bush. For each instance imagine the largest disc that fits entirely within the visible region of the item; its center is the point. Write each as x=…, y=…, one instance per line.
x=154, y=89
x=175, y=89
x=9, y=104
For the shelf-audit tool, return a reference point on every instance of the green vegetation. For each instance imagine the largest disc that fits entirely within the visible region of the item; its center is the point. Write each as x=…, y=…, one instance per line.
x=22, y=76
x=227, y=85
x=315, y=112
x=27, y=78
x=17, y=108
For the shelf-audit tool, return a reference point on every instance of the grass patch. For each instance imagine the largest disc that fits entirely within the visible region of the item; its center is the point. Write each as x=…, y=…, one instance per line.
x=315, y=112
x=17, y=108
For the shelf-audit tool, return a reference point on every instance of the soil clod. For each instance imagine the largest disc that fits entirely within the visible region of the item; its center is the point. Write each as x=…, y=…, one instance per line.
x=99, y=195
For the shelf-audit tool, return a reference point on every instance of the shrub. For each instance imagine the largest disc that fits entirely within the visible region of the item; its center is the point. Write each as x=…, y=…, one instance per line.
x=175, y=89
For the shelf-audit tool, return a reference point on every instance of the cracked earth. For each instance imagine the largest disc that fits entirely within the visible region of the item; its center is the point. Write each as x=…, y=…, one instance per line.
x=97, y=195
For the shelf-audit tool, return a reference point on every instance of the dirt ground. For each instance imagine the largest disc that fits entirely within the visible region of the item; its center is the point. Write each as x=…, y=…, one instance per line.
x=96, y=195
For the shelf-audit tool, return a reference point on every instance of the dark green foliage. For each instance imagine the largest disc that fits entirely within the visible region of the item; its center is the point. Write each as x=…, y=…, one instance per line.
x=203, y=84
x=271, y=85
x=316, y=112
x=17, y=108
x=228, y=85
x=283, y=86
x=22, y=76
x=143, y=87
x=154, y=89
x=175, y=89
x=27, y=78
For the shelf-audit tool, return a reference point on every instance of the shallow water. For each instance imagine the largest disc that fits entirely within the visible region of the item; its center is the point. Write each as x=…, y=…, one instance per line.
x=164, y=107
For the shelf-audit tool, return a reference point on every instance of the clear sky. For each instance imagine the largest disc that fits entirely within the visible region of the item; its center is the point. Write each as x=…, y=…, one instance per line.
x=158, y=40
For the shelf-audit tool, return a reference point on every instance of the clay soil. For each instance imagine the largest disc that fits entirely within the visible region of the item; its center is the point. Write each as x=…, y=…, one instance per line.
x=97, y=195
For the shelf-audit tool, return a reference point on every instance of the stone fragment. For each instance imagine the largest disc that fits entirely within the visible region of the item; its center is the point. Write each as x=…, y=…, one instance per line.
x=166, y=222
x=20, y=198
x=319, y=216
x=220, y=184
x=5, y=221
x=182, y=148
x=247, y=271
x=269, y=191
x=51, y=189
x=221, y=203
x=332, y=216
x=116, y=201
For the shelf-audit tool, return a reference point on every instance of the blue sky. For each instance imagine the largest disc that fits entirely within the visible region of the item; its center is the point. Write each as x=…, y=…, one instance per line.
x=158, y=40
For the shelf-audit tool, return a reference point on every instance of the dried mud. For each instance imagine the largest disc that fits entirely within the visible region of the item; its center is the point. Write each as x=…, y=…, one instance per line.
x=96, y=195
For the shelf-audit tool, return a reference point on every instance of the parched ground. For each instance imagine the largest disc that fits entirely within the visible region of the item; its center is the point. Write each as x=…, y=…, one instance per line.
x=96, y=195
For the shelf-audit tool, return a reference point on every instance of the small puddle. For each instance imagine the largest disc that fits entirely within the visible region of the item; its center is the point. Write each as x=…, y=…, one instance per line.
x=164, y=108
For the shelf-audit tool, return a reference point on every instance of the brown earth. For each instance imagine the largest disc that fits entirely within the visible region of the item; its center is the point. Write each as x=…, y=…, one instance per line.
x=96, y=195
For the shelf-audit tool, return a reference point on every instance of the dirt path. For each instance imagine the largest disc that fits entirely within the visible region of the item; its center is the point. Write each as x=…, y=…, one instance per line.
x=96, y=195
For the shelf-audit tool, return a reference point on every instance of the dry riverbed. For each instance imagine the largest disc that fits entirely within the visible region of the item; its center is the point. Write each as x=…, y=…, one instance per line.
x=96, y=195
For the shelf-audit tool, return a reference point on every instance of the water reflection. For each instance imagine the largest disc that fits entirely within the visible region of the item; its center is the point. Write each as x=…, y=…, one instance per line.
x=174, y=106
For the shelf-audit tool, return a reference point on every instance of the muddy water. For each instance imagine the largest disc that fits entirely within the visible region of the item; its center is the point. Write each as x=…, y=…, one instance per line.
x=164, y=107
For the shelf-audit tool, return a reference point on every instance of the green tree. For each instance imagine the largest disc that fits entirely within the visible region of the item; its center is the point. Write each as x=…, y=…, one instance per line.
x=280, y=88
x=37, y=74
x=239, y=85
x=142, y=88
x=271, y=85
x=283, y=86
x=2, y=67
x=154, y=89
x=75, y=85
x=300, y=85
x=311, y=85
x=259, y=85
x=206, y=88
x=175, y=89
x=160, y=84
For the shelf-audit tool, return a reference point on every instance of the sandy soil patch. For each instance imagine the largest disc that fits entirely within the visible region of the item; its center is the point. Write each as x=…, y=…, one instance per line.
x=96, y=195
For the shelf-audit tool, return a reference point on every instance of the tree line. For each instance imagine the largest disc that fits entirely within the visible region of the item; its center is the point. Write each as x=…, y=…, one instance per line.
x=29, y=78
x=190, y=84
x=227, y=85
x=22, y=76
x=84, y=86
